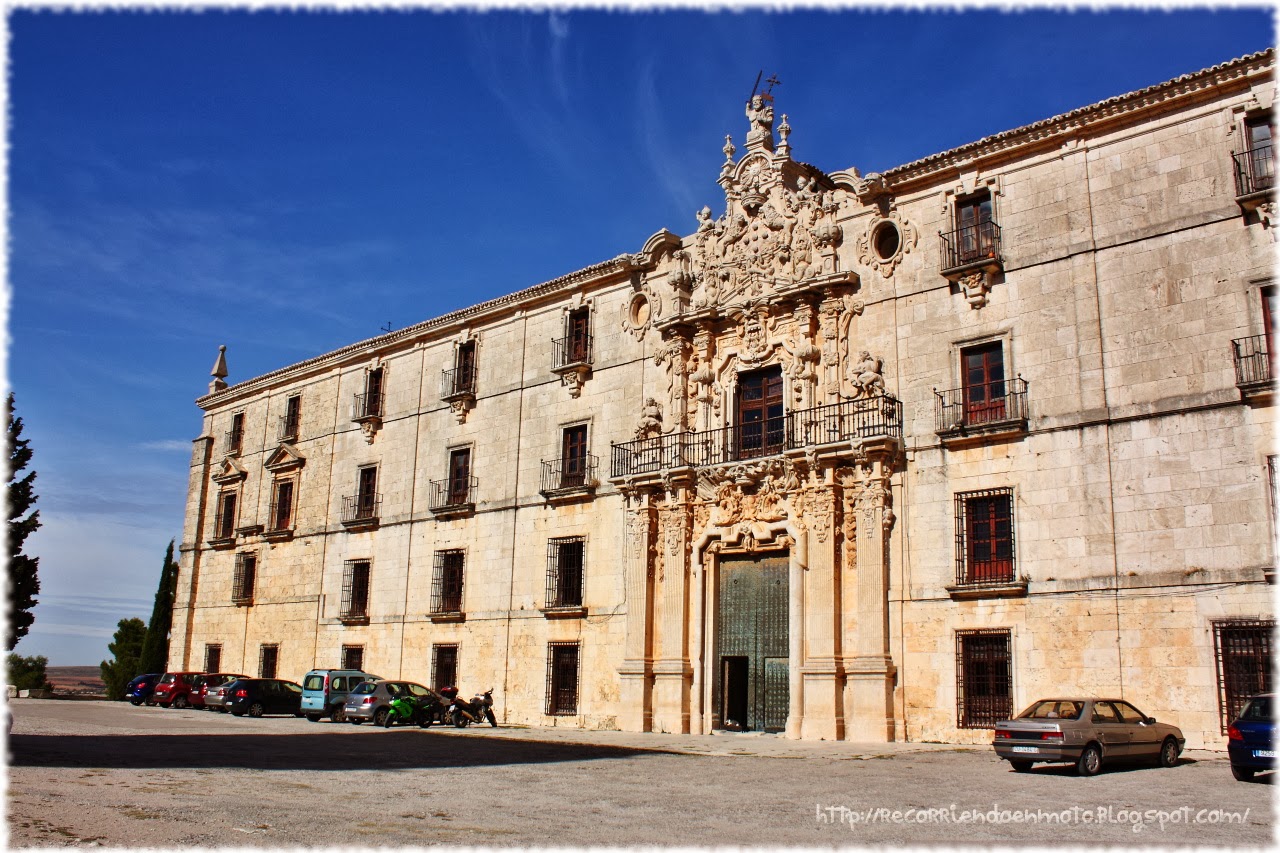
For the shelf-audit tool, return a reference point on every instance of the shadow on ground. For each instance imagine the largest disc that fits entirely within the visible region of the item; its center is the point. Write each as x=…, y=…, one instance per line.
x=393, y=750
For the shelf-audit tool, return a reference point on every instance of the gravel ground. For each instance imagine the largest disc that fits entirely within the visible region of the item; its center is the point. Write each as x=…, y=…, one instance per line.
x=110, y=774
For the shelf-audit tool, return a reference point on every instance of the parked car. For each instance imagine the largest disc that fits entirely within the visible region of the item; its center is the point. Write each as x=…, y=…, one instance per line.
x=324, y=692
x=141, y=688
x=258, y=696
x=1086, y=732
x=370, y=700
x=1251, y=739
x=173, y=690
x=209, y=696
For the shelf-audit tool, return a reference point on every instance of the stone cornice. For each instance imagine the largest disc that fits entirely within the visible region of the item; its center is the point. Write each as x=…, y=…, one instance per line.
x=1160, y=96
x=595, y=273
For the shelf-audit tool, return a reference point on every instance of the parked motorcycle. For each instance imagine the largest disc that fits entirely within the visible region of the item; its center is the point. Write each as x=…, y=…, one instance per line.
x=407, y=711
x=462, y=713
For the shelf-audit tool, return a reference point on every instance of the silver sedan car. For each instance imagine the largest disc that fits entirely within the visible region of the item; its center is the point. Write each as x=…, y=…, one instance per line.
x=370, y=700
x=1086, y=732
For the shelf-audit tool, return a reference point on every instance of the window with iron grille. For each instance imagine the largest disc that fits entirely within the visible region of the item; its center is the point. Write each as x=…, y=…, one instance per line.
x=371, y=403
x=562, y=679
x=235, y=435
x=565, y=571
x=1243, y=651
x=224, y=524
x=444, y=665
x=213, y=657
x=446, y=583
x=573, y=457
x=282, y=506
x=578, y=332
x=243, y=580
x=984, y=678
x=268, y=656
x=985, y=394
x=984, y=537
x=355, y=590
x=292, y=419
x=465, y=365
x=353, y=657
x=459, y=476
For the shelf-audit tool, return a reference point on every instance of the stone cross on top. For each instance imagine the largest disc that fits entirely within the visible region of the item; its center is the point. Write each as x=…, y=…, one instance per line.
x=760, y=115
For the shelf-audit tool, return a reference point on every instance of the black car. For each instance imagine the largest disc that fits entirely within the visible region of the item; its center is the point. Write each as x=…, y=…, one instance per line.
x=258, y=696
x=1251, y=739
x=141, y=688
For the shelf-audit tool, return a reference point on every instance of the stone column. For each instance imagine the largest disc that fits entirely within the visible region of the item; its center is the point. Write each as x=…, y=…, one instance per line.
x=829, y=326
x=672, y=673
x=869, y=670
x=822, y=670
x=635, y=675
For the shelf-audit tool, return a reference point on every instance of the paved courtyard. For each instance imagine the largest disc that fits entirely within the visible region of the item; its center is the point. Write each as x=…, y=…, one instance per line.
x=111, y=774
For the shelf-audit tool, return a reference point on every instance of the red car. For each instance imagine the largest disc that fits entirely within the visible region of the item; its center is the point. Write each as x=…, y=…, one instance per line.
x=174, y=689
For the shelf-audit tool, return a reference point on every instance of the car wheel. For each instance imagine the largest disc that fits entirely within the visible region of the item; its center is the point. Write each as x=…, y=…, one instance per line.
x=256, y=709
x=1022, y=766
x=380, y=716
x=1242, y=774
x=181, y=702
x=315, y=718
x=1169, y=752
x=339, y=715
x=1090, y=761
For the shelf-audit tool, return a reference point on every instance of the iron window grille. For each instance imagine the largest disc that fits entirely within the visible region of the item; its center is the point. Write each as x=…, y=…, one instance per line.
x=268, y=657
x=565, y=558
x=234, y=436
x=1255, y=170
x=461, y=380
x=575, y=347
x=282, y=506
x=369, y=404
x=243, y=581
x=224, y=523
x=1242, y=649
x=366, y=503
x=292, y=419
x=213, y=657
x=1252, y=360
x=353, y=657
x=562, y=679
x=444, y=665
x=446, y=582
x=984, y=537
x=971, y=244
x=984, y=678
x=355, y=590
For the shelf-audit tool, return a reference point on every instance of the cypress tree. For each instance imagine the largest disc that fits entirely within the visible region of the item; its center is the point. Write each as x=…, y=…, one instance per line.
x=24, y=582
x=125, y=650
x=155, y=647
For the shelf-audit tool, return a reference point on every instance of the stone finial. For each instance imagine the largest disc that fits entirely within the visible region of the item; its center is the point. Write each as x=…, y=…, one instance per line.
x=784, y=130
x=219, y=372
x=728, y=148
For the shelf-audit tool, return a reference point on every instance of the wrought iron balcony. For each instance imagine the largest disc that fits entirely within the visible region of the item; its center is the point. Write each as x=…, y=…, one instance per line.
x=572, y=351
x=971, y=247
x=571, y=476
x=366, y=407
x=288, y=429
x=1253, y=364
x=361, y=510
x=232, y=440
x=457, y=383
x=849, y=420
x=994, y=407
x=1255, y=171
x=456, y=494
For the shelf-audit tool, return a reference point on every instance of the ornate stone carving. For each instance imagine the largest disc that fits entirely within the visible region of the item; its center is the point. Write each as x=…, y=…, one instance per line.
x=650, y=424
x=573, y=379
x=870, y=187
x=760, y=115
x=1267, y=214
x=867, y=375
x=975, y=285
x=754, y=328
x=369, y=427
x=876, y=256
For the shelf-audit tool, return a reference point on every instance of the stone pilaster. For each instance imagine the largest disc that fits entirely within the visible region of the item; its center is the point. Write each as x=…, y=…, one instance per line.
x=822, y=668
x=869, y=670
x=672, y=672
x=635, y=675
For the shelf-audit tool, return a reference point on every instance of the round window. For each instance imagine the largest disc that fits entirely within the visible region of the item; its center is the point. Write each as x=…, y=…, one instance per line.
x=640, y=311
x=886, y=240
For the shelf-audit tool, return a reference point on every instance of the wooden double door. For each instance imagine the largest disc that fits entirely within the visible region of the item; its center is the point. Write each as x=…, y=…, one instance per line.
x=751, y=685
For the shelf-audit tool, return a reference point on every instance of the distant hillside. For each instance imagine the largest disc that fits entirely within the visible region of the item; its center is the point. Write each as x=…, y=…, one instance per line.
x=85, y=680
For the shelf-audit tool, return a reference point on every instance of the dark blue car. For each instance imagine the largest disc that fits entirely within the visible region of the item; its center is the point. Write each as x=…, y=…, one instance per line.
x=141, y=688
x=1251, y=739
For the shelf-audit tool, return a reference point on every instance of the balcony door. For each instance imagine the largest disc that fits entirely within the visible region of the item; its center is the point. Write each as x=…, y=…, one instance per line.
x=459, y=476
x=1261, y=164
x=974, y=234
x=760, y=413
x=573, y=457
x=984, y=383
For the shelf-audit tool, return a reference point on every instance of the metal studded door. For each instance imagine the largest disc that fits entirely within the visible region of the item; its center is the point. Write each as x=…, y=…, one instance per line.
x=752, y=689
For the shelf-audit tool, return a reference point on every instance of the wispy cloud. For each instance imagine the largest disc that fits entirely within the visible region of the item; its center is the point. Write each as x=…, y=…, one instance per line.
x=655, y=140
x=167, y=444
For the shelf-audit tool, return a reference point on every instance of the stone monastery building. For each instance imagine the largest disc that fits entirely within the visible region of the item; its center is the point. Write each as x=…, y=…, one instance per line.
x=879, y=456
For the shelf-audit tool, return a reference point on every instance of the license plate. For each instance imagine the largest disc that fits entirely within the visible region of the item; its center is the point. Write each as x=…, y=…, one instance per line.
x=1264, y=753
x=1026, y=749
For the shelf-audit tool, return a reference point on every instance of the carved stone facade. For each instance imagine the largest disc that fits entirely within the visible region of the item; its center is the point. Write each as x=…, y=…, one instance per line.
x=800, y=457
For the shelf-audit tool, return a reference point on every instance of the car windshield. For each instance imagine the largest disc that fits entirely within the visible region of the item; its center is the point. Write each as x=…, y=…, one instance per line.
x=365, y=687
x=167, y=679
x=1259, y=709
x=313, y=682
x=1053, y=709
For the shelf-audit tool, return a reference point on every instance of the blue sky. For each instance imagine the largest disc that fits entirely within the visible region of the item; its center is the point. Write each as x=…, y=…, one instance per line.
x=288, y=183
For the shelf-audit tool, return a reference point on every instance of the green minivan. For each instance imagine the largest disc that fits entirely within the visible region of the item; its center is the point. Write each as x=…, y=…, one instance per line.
x=325, y=690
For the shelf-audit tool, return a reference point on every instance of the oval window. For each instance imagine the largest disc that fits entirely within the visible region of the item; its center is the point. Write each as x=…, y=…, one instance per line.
x=640, y=311
x=886, y=240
